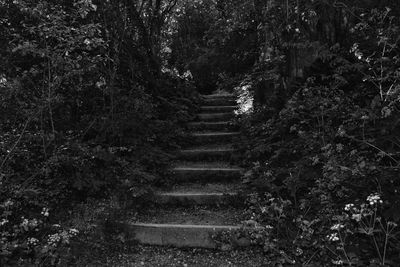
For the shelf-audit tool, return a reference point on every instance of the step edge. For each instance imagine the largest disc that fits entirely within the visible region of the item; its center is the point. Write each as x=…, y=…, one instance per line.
x=206, y=169
x=208, y=122
x=217, y=96
x=206, y=150
x=214, y=133
x=188, y=194
x=182, y=226
x=219, y=102
x=216, y=107
x=215, y=114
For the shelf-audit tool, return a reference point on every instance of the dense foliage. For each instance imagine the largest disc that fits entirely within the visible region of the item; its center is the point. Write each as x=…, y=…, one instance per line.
x=87, y=109
x=325, y=147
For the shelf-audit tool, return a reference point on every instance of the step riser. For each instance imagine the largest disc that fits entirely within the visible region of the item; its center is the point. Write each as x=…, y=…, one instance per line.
x=210, y=126
x=199, y=199
x=219, y=102
x=215, y=117
x=181, y=237
x=206, y=155
x=219, y=109
x=205, y=176
x=213, y=139
x=223, y=96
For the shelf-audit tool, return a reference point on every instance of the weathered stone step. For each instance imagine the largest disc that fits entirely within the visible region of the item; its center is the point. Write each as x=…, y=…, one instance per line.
x=194, y=198
x=219, y=102
x=184, y=227
x=177, y=235
x=206, y=172
x=197, y=215
x=207, y=153
x=208, y=187
x=215, y=116
x=218, y=108
x=213, y=137
x=219, y=96
x=220, y=125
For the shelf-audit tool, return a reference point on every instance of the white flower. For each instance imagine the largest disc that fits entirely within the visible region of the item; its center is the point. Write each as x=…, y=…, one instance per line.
x=33, y=223
x=54, y=239
x=45, y=212
x=341, y=132
x=263, y=209
x=87, y=42
x=358, y=54
x=338, y=262
x=25, y=223
x=348, y=207
x=3, y=81
x=337, y=227
x=333, y=237
x=188, y=75
x=374, y=199
x=100, y=83
x=32, y=241
x=73, y=231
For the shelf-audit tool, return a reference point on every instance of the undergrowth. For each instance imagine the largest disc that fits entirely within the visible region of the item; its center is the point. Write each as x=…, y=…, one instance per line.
x=325, y=163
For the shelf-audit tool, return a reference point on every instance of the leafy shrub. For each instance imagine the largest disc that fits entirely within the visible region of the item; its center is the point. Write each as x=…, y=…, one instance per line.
x=332, y=144
x=31, y=239
x=84, y=113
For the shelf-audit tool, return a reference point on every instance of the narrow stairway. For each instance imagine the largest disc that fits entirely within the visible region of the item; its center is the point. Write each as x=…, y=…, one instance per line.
x=206, y=184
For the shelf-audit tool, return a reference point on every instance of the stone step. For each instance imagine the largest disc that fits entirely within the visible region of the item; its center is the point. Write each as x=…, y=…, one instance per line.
x=196, y=198
x=207, y=153
x=177, y=235
x=197, y=215
x=219, y=102
x=220, y=125
x=213, y=137
x=218, y=108
x=193, y=198
x=184, y=227
x=218, y=96
x=215, y=116
x=207, y=188
x=204, y=173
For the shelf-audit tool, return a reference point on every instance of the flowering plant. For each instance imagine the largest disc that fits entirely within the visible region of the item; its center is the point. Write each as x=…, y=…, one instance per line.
x=31, y=239
x=362, y=221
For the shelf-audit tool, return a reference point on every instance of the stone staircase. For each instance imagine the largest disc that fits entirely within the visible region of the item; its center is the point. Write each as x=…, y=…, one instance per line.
x=206, y=184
